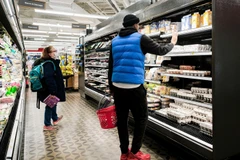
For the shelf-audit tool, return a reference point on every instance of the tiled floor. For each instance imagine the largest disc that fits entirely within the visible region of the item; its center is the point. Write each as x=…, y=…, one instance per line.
x=79, y=136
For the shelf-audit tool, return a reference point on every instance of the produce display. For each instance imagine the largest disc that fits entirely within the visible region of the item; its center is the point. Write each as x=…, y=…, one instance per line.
x=66, y=64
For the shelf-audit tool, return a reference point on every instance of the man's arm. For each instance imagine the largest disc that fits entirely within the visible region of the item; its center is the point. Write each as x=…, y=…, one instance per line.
x=149, y=46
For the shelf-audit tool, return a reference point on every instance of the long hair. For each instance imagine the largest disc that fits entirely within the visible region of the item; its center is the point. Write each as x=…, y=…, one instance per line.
x=46, y=52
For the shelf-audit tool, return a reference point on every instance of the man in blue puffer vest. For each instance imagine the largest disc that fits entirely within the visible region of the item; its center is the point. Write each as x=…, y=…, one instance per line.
x=126, y=79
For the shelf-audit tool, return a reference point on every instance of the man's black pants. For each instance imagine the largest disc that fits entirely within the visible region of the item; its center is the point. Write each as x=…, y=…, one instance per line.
x=135, y=101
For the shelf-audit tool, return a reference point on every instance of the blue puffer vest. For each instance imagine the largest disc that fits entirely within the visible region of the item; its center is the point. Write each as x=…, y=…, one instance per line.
x=128, y=59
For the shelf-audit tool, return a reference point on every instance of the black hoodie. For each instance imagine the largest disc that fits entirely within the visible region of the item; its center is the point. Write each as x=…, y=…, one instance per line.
x=147, y=46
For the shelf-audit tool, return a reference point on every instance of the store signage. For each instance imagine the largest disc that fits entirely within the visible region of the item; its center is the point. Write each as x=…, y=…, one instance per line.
x=29, y=3
x=29, y=26
x=79, y=26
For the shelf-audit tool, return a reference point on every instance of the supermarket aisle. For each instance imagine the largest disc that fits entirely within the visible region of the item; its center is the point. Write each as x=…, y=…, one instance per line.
x=79, y=136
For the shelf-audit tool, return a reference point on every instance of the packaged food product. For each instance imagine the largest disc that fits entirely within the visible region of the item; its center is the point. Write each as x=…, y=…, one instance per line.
x=175, y=26
x=186, y=22
x=173, y=92
x=154, y=27
x=153, y=104
x=185, y=67
x=208, y=98
x=164, y=99
x=189, y=106
x=201, y=20
x=147, y=29
x=150, y=58
x=153, y=100
x=154, y=74
x=206, y=128
x=174, y=105
x=6, y=100
x=207, y=18
x=196, y=20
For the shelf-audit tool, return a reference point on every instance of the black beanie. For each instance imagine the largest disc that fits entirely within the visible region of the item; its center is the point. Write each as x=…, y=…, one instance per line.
x=130, y=20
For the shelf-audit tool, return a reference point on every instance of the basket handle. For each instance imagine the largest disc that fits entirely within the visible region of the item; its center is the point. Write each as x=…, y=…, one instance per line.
x=99, y=103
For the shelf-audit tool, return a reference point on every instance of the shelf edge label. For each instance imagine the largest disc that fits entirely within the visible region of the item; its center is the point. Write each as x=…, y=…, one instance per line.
x=34, y=4
x=29, y=26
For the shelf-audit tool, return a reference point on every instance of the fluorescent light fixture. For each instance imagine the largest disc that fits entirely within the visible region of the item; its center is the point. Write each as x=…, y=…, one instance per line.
x=9, y=7
x=33, y=31
x=65, y=40
x=68, y=37
x=34, y=42
x=40, y=39
x=36, y=35
x=71, y=14
x=90, y=16
x=52, y=25
x=52, y=32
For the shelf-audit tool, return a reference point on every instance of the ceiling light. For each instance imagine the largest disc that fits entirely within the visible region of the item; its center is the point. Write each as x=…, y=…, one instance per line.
x=31, y=35
x=67, y=37
x=33, y=31
x=52, y=32
x=71, y=14
x=65, y=40
x=52, y=25
x=34, y=42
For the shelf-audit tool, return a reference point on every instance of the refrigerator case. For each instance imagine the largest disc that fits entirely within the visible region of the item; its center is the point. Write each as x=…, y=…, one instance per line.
x=210, y=73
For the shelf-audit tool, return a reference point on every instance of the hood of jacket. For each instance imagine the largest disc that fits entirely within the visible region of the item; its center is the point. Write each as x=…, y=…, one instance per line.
x=127, y=31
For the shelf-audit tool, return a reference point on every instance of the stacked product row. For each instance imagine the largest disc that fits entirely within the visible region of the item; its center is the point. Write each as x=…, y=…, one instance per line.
x=96, y=70
x=11, y=78
x=184, y=113
x=189, y=21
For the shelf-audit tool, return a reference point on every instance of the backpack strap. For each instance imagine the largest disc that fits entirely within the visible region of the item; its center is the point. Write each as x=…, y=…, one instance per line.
x=51, y=62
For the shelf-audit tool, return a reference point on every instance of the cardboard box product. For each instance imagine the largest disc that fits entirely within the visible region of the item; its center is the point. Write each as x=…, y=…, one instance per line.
x=154, y=27
x=196, y=20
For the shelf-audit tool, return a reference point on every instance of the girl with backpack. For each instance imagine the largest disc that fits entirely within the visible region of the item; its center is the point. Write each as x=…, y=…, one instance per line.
x=53, y=85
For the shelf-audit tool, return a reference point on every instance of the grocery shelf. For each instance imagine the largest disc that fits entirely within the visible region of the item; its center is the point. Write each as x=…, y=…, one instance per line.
x=152, y=65
x=155, y=34
x=96, y=66
x=98, y=58
x=151, y=81
x=182, y=54
x=187, y=32
x=98, y=81
x=185, y=132
x=200, y=104
x=102, y=74
x=153, y=95
x=95, y=95
x=189, y=77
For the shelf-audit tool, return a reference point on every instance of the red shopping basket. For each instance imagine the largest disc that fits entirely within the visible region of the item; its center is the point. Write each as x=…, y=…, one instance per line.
x=107, y=114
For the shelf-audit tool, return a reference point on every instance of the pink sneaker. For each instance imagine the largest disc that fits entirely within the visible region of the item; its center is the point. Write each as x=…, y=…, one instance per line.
x=58, y=120
x=48, y=128
x=124, y=156
x=139, y=156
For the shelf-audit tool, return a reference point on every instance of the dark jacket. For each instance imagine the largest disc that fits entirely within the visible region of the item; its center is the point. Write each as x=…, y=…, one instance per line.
x=147, y=46
x=52, y=81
